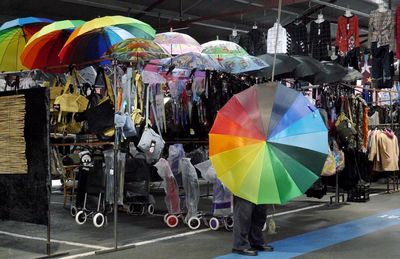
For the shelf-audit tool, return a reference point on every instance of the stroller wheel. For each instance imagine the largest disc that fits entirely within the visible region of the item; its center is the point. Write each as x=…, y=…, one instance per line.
x=264, y=227
x=172, y=221
x=214, y=223
x=150, y=209
x=194, y=223
x=81, y=217
x=98, y=220
x=229, y=222
x=165, y=218
x=73, y=211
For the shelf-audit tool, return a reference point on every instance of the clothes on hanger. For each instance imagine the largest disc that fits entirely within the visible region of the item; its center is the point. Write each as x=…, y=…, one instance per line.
x=281, y=44
x=384, y=151
x=366, y=68
x=253, y=42
x=348, y=41
x=234, y=38
x=320, y=40
x=297, y=38
x=398, y=31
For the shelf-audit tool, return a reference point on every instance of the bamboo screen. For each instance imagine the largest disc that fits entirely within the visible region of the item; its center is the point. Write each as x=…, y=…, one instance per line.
x=12, y=140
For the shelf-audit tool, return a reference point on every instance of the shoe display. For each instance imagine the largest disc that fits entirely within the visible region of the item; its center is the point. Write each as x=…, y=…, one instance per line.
x=249, y=252
x=265, y=247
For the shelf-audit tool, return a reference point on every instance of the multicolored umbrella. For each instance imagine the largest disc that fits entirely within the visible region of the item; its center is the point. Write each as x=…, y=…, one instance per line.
x=236, y=65
x=193, y=60
x=176, y=43
x=135, y=49
x=13, y=37
x=90, y=41
x=268, y=144
x=42, y=49
x=221, y=49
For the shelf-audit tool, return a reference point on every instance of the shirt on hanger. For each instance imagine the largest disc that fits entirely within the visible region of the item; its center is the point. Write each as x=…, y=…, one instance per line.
x=273, y=32
x=320, y=40
x=235, y=39
x=253, y=42
x=381, y=28
x=347, y=34
x=297, y=38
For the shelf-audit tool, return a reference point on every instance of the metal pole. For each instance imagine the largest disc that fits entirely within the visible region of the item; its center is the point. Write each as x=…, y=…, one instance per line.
x=340, y=7
x=276, y=38
x=115, y=159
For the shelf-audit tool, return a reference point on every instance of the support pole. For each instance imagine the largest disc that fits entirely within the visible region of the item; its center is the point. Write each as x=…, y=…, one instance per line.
x=276, y=39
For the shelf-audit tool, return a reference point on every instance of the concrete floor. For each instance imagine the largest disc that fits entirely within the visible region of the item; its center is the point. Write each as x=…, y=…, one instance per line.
x=153, y=239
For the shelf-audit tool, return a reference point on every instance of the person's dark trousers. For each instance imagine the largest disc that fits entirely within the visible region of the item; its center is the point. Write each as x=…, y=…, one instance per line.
x=249, y=220
x=381, y=66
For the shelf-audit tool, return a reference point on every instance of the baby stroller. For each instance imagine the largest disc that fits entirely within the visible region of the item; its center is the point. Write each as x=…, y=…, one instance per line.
x=171, y=193
x=94, y=190
x=190, y=184
x=222, y=198
x=137, y=187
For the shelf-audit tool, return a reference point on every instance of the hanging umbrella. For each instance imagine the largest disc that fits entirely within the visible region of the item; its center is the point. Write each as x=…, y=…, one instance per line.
x=90, y=41
x=284, y=64
x=236, y=65
x=135, y=49
x=352, y=75
x=193, y=60
x=308, y=66
x=149, y=77
x=176, y=43
x=42, y=49
x=268, y=144
x=221, y=49
x=13, y=37
x=331, y=72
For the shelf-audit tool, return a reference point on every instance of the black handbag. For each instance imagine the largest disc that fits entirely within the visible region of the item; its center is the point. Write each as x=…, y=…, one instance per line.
x=101, y=116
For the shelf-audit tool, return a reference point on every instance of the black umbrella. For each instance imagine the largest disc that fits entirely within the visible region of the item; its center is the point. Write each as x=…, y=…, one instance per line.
x=284, y=64
x=331, y=72
x=308, y=67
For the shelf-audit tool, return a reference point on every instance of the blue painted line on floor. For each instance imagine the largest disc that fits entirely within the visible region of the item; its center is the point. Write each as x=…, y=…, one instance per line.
x=325, y=237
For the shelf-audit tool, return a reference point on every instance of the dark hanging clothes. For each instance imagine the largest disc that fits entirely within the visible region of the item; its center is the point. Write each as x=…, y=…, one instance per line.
x=235, y=39
x=254, y=42
x=297, y=33
x=381, y=66
x=348, y=41
x=320, y=40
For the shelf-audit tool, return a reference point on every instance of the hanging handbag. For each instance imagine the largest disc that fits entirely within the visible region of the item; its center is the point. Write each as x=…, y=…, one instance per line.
x=71, y=100
x=150, y=142
x=101, y=117
x=56, y=89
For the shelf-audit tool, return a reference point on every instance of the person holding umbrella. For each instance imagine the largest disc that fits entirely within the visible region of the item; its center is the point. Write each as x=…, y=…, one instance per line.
x=247, y=229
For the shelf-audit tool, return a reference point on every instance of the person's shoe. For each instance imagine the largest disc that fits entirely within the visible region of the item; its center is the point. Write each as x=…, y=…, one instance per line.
x=265, y=247
x=248, y=251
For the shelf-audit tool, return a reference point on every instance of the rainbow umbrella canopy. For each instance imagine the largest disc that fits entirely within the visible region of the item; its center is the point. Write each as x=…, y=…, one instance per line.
x=41, y=51
x=13, y=37
x=268, y=144
x=90, y=41
x=176, y=43
x=221, y=49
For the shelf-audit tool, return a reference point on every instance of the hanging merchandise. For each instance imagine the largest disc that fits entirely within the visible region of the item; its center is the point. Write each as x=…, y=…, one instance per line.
x=281, y=45
x=234, y=37
x=297, y=38
x=384, y=151
x=366, y=68
x=101, y=116
x=254, y=42
x=348, y=40
x=381, y=39
x=320, y=38
x=150, y=142
x=397, y=21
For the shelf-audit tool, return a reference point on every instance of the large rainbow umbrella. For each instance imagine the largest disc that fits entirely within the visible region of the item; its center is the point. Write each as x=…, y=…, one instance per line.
x=177, y=43
x=268, y=144
x=41, y=51
x=90, y=41
x=13, y=37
